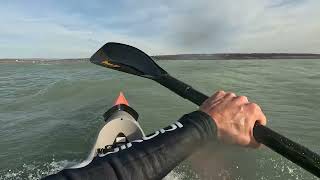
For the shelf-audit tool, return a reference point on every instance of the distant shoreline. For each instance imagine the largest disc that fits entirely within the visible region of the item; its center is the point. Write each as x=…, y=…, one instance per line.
x=43, y=61
x=221, y=56
x=237, y=56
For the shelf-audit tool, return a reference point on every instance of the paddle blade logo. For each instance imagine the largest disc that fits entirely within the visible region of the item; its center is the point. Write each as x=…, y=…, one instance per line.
x=109, y=64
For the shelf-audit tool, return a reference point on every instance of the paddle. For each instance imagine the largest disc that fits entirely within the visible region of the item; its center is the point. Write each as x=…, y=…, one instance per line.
x=131, y=60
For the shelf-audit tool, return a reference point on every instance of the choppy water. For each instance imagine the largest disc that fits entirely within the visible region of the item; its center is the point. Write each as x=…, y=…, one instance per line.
x=49, y=114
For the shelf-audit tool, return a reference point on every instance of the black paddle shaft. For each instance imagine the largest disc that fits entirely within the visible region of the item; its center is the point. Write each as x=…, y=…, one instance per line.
x=295, y=152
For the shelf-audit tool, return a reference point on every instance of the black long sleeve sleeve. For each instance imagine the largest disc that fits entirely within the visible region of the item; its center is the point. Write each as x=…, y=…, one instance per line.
x=153, y=157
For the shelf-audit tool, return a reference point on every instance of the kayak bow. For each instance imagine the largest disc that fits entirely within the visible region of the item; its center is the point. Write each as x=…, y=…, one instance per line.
x=121, y=127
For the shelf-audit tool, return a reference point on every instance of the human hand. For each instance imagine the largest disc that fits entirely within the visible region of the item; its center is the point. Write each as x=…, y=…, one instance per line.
x=235, y=117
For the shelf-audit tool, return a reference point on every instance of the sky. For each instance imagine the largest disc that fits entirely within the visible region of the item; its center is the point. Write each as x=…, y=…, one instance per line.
x=77, y=28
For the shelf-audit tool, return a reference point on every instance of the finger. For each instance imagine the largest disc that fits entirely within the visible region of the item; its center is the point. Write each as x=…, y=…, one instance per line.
x=257, y=116
x=216, y=103
x=246, y=138
x=256, y=111
x=240, y=100
x=253, y=143
x=254, y=114
x=229, y=96
x=212, y=100
x=252, y=108
x=261, y=118
x=218, y=95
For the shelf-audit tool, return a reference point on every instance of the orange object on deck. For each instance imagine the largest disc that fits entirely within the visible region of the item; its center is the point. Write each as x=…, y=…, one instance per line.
x=121, y=100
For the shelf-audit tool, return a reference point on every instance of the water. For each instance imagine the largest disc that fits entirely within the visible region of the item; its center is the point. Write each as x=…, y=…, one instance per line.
x=50, y=114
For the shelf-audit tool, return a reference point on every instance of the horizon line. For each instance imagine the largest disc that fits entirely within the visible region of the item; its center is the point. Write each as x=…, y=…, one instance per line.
x=253, y=53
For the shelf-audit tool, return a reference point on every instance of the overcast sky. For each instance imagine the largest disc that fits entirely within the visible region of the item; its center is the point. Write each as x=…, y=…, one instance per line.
x=77, y=28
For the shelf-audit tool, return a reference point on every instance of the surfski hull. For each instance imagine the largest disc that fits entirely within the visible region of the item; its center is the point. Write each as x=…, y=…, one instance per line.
x=121, y=127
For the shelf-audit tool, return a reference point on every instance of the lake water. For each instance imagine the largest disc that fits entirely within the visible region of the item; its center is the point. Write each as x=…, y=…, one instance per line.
x=50, y=114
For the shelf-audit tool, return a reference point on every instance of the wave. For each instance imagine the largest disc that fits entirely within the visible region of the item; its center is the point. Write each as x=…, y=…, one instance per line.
x=34, y=171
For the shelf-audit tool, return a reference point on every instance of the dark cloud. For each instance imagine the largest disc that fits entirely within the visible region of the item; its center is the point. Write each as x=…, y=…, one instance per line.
x=200, y=31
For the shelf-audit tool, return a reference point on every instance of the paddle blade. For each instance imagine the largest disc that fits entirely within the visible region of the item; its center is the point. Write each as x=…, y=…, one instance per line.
x=127, y=59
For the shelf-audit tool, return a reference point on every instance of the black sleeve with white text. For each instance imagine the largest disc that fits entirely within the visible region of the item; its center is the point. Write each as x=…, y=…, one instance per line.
x=153, y=157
